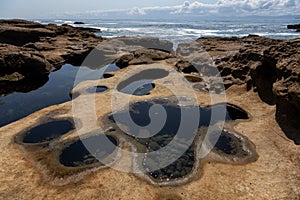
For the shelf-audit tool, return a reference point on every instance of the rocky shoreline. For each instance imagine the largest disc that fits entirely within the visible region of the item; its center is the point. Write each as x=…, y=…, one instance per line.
x=53, y=44
x=260, y=75
x=29, y=51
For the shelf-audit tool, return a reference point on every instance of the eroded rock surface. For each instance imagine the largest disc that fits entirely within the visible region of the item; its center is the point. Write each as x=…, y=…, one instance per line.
x=273, y=175
x=271, y=67
x=30, y=51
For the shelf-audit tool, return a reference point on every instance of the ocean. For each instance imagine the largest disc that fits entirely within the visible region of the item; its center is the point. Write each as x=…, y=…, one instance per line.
x=183, y=30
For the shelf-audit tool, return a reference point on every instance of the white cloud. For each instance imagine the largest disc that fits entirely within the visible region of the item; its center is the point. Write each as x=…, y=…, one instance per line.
x=243, y=7
x=136, y=11
x=221, y=8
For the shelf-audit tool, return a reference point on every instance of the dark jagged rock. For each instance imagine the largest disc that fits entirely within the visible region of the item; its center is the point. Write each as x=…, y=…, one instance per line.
x=78, y=22
x=294, y=26
x=23, y=85
x=93, y=30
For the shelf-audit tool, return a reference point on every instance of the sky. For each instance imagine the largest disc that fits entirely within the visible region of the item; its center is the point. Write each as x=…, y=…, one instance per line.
x=55, y=9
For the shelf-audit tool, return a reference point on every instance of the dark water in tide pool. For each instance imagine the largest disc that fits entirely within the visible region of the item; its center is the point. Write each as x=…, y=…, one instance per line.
x=96, y=89
x=48, y=131
x=77, y=155
x=139, y=113
x=139, y=88
x=141, y=83
x=17, y=105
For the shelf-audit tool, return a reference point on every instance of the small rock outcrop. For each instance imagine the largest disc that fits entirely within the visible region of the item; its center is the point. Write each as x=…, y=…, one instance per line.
x=294, y=26
x=79, y=23
x=50, y=39
x=143, y=56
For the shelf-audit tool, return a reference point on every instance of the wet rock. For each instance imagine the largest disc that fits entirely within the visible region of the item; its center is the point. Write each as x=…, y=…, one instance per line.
x=294, y=26
x=229, y=144
x=79, y=23
x=24, y=85
x=178, y=169
x=86, y=29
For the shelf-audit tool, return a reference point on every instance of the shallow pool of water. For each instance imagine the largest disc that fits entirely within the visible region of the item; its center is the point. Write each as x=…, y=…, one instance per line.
x=139, y=88
x=76, y=155
x=48, y=131
x=97, y=89
x=139, y=113
x=141, y=84
x=181, y=167
x=17, y=105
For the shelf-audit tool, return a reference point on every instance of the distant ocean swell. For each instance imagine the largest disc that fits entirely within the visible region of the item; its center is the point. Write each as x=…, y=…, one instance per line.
x=188, y=31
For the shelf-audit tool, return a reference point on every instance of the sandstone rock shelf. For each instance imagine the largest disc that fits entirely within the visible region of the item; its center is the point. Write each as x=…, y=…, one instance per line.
x=261, y=78
x=269, y=67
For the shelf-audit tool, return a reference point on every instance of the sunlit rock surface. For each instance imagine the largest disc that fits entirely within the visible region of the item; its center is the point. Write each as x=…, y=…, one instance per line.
x=255, y=157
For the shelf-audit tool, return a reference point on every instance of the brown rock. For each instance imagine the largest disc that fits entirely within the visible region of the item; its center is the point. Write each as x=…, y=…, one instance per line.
x=36, y=170
x=20, y=32
x=25, y=61
x=34, y=50
x=143, y=56
x=269, y=66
